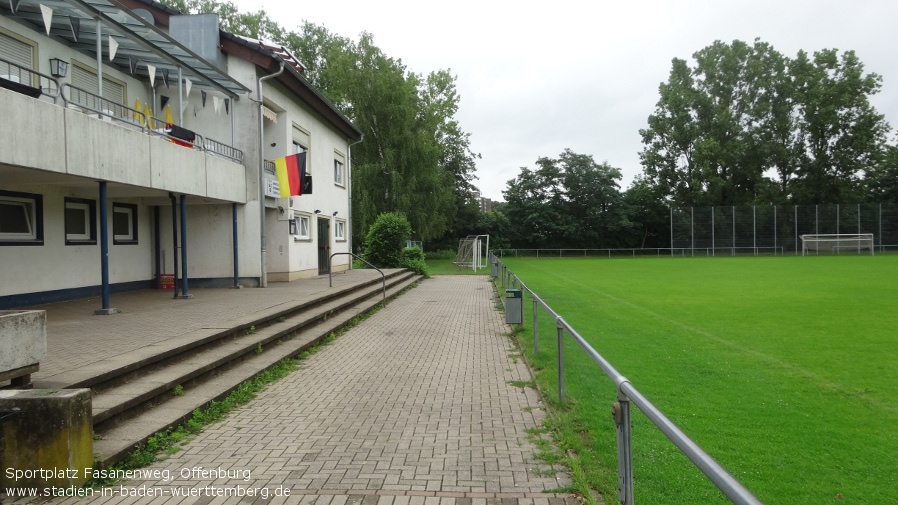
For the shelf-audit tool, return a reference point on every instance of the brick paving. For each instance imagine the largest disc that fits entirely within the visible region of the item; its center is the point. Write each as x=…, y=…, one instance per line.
x=415, y=406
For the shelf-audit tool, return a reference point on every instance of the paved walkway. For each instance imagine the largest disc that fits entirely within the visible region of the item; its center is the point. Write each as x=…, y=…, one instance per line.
x=415, y=406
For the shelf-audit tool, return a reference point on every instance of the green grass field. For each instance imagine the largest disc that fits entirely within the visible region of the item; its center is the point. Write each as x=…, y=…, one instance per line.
x=785, y=369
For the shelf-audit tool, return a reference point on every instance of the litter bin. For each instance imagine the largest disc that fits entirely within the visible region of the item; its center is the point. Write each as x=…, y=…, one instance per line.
x=514, y=306
x=494, y=267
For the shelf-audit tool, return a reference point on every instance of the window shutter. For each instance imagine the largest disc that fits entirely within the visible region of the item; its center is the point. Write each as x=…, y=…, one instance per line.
x=87, y=80
x=16, y=51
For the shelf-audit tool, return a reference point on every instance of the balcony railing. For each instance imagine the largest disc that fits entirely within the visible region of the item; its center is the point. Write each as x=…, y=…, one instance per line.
x=28, y=82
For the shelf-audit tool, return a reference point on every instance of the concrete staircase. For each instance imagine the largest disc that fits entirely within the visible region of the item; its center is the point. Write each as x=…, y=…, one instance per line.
x=135, y=393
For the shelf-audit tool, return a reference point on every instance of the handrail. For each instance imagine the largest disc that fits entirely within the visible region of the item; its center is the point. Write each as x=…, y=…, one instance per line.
x=626, y=392
x=222, y=149
x=103, y=107
x=26, y=77
x=330, y=275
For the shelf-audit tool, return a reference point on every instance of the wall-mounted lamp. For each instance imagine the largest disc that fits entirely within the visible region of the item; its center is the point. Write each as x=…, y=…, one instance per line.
x=335, y=212
x=58, y=68
x=317, y=211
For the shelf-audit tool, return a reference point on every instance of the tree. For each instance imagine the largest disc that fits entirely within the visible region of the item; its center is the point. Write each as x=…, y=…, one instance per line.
x=748, y=125
x=386, y=240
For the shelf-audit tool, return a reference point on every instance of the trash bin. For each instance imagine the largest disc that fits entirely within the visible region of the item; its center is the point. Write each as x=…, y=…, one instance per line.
x=514, y=306
x=494, y=267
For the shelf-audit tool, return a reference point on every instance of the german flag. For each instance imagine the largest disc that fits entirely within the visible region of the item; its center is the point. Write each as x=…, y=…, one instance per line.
x=291, y=171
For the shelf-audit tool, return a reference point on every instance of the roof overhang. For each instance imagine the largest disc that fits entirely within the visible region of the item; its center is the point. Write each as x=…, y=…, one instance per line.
x=139, y=40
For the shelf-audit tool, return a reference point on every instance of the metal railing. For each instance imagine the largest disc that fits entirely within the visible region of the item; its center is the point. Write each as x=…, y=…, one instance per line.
x=330, y=274
x=626, y=394
x=86, y=101
x=640, y=252
x=29, y=81
x=269, y=167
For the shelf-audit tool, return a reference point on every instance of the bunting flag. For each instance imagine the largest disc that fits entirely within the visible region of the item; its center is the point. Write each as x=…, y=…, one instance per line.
x=196, y=110
x=75, y=24
x=165, y=77
x=113, y=48
x=203, y=95
x=162, y=101
x=132, y=63
x=291, y=171
x=227, y=102
x=47, y=12
x=13, y=5
x=187, y=85
x=152, y=70
x=216, y=103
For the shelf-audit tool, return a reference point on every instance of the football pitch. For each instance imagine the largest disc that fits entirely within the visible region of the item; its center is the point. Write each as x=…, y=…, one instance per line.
x=784, y=369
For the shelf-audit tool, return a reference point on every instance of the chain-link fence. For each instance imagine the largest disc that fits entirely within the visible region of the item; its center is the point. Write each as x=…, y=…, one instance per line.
x=776, y=229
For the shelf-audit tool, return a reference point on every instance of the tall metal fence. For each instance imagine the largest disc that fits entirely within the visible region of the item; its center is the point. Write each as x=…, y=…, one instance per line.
x=776, y=229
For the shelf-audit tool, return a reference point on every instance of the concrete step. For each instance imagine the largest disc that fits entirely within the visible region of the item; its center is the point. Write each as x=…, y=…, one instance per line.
x=126, y=415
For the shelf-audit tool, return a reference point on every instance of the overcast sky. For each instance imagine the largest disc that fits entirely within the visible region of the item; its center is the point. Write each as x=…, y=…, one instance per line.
x=536, y=78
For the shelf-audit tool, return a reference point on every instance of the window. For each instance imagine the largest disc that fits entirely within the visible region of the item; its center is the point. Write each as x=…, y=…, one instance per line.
x=302, y=228
x=21, y=219
x=301, y=142
x=340, y=231
x=80, y=221
x=124, y=223
x=18, y=50
x=338, y=172
x=86, y=79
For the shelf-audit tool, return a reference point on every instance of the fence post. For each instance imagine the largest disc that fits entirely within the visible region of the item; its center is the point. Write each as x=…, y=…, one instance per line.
x=560, y=360
x=535, y=325
x=621, y=412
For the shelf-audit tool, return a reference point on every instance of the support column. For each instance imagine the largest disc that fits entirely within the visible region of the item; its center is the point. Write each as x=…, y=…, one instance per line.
x=104, y=255
x=184, y=293
x=236, y=248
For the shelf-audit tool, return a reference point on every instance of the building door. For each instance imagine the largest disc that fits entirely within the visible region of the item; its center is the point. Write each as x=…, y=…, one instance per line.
x=324, y=245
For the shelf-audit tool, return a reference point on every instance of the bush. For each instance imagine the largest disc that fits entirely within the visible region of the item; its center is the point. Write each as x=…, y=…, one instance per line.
x=413, y=259
x=386, y=240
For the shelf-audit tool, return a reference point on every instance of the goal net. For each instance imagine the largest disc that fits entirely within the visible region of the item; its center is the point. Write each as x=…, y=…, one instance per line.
x=470, y=252
x=837, y=243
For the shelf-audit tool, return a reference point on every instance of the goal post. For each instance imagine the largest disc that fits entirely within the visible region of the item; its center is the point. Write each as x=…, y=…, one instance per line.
x=470, y=252
x=835, y=243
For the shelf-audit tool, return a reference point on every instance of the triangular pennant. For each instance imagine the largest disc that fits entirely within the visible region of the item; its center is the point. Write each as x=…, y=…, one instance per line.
x=47, y=12
x=187, y=86
x=132, y=63
x=196, y=110
x=165, y=77
x=227, y=104
x=203, y=95
x=152, y=70
x=13, y=5
x=216, y=103
x=162, y=101
x=75, y=23
x=113, y=48
x=184, y=105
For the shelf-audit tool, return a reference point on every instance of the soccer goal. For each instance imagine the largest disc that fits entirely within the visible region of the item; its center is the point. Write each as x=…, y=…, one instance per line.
x=836, y=243
x=470, y=252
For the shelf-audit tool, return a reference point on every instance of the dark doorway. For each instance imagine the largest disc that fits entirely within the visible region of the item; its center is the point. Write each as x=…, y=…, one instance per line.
x=324, y=245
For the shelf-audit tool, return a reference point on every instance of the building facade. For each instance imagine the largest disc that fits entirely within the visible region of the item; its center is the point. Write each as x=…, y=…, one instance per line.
x=156, y=171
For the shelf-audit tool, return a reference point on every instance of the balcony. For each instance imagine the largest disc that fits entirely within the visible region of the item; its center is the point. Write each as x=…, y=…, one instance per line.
x=67, y=130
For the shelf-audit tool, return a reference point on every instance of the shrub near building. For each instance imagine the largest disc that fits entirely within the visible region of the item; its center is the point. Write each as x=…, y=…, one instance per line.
x=385, y=244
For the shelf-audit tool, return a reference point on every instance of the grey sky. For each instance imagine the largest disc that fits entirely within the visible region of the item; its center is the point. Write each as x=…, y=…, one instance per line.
x=536, y=78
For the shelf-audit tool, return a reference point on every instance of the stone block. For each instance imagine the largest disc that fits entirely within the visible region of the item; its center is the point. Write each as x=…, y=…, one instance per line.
x=49, y=442
x=23, y=340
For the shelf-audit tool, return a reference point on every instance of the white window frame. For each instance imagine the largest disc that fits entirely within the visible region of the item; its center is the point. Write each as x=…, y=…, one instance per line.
x=338, y=173
x=87, y=211
x=340, y=231
x=303, y=232
x=130, y=211
x=30, y=205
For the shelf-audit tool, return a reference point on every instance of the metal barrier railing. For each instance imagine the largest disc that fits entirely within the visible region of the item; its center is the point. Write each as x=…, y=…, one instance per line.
x=269, y=167
x=214, y=146
x=659, y=252
x=104, y=108
x=27, y=81
x=330, y=275
x=626, y=394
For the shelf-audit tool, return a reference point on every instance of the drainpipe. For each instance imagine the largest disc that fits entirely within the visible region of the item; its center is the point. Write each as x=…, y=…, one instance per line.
x=157, y=247
x=184, y=294
x=349, y=178
x=174, y=238
x=263, y=280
